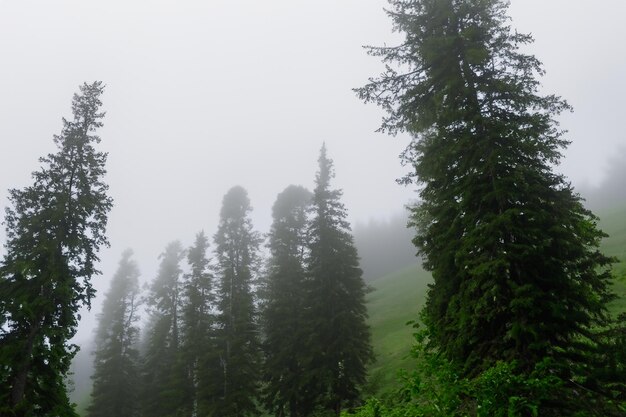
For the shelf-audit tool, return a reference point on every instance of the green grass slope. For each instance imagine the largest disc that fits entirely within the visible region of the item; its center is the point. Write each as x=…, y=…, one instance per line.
x=396, y=299
x=613, y=222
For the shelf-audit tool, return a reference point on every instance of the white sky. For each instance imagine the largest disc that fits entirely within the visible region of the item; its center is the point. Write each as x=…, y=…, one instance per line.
x=203, y=95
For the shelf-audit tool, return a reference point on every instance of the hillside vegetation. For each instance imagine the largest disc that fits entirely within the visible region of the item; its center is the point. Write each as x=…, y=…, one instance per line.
x=395, y=300
x=613, y=222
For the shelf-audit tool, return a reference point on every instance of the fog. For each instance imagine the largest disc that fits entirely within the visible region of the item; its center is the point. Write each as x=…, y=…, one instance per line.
x=204, y=95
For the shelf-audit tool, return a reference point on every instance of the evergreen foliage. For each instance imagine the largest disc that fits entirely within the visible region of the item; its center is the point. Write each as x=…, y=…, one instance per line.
x=198, y=341
x=116, y=365
x=55, y=228
x=285, y=391
x=236, y=388
x=165, y=383
x=338, y=345
x=518, y=277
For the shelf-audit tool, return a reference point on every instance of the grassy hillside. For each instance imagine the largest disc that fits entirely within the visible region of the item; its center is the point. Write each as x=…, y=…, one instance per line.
x=613, y=222
x=398, y=297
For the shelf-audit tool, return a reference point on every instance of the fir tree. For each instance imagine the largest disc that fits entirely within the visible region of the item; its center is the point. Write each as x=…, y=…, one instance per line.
x=116, y=366
x=339, y=346
x=164, y=380
x=55, y=228
x=236, y=247
x=198, y=344
x=514, y=254
x=283, y=316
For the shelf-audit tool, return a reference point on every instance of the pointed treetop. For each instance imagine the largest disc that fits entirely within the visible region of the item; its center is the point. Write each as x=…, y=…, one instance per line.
x=326, y=171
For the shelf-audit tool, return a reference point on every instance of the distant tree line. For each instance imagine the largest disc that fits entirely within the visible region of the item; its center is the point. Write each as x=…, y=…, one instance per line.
x=227, y=333
x=231, y=335
x=385, y=246
x=610, y=193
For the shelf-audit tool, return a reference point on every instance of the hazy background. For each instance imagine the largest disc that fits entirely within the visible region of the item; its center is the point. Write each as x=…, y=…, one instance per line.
x=203, y=95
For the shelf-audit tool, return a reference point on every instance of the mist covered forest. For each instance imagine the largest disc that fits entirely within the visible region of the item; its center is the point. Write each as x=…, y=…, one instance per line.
x=499, y=289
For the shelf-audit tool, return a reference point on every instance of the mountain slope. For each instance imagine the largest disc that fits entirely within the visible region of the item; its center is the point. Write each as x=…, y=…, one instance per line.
x=396, y=299
x=613, y=222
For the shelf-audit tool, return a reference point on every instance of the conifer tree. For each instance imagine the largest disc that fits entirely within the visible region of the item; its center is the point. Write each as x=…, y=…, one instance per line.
x=514, y=255
x=236, y=247
x=283, y=315
x=339, y=346
x=198, y=344
x=55, y=228
x=165, y=383
x=116, y=366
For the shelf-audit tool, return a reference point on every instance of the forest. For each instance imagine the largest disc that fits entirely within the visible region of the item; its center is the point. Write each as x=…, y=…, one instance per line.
x=496, y=291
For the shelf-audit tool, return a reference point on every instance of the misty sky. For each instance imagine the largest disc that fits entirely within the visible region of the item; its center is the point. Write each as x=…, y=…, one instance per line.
x=203, y=95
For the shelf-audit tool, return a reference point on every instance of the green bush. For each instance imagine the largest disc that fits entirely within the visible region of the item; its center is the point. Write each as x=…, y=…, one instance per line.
x=435, y=389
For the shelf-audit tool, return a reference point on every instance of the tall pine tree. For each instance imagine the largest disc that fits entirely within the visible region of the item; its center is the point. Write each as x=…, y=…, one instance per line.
x=165, y=382
x=116, y=366
x=514, y=254
x=339, y=346
x=198, y=341
x=284, y=324
x=55, y=228
x=236, y=252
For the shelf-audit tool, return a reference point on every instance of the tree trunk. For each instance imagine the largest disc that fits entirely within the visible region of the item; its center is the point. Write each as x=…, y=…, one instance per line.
x=19, y=380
